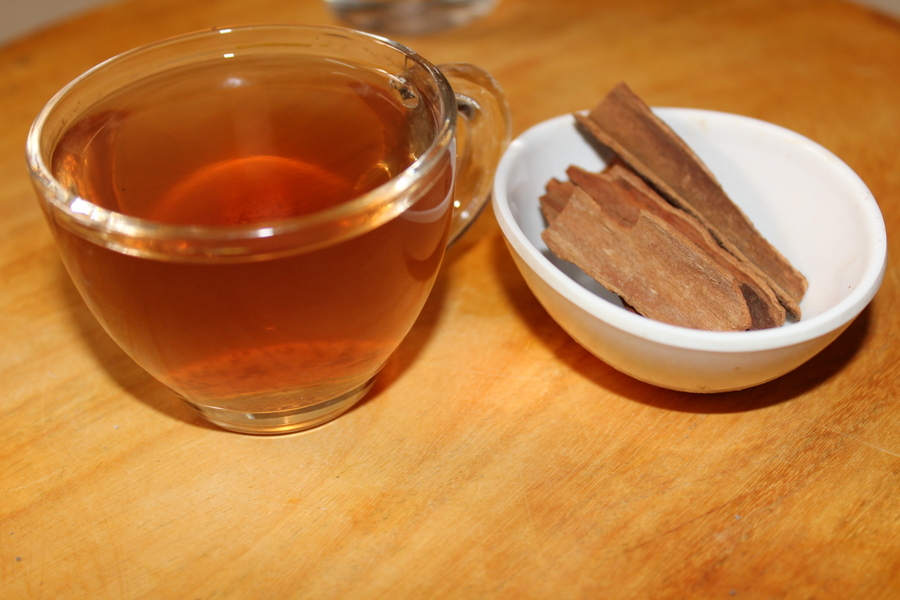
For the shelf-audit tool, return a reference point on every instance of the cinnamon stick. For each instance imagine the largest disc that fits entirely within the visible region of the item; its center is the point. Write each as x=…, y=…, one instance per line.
x=627, y=194
x=655, y=268
x=625, y=124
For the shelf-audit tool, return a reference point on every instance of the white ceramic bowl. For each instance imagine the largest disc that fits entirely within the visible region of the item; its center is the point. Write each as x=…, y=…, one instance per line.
x=802, y=198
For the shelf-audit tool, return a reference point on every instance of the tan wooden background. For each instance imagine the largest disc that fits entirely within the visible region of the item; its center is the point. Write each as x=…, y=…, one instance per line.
x=495, y=458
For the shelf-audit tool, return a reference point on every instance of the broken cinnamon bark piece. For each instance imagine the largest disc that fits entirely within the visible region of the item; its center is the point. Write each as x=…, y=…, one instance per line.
x=553, y=202
x=625, y=124
x=651, y=265
x=627, y=194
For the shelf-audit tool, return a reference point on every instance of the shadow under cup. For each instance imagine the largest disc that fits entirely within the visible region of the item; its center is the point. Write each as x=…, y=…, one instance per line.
x=257, y=215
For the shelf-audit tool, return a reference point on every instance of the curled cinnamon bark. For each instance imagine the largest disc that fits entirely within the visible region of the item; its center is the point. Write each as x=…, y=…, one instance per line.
x=624, y=123
x=663, y=284
x=621, y=187
x=657, y=228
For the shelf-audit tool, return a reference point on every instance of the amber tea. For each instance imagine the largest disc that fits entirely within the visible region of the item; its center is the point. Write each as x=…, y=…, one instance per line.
x=257, y=214
x=238, y=142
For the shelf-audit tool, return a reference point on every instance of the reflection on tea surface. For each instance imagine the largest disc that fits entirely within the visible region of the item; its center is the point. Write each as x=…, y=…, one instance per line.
x=294, y=136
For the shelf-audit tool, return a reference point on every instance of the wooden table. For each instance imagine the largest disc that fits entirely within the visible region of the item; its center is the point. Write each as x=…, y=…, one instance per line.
x=495, y=458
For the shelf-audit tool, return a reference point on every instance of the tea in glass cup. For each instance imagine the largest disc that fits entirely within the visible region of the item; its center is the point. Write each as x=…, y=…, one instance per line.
x=257, y=215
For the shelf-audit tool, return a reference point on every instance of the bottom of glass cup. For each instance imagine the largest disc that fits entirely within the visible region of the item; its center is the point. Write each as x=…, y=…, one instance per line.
x=283, y=421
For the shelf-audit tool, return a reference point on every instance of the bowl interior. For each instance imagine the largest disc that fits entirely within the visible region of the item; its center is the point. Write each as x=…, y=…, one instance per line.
x=802, y=198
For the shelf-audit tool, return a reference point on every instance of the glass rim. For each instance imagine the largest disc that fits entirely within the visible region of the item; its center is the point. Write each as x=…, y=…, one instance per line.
x=88, y=215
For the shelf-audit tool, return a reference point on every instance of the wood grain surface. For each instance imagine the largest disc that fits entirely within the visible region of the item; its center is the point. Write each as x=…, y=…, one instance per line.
x=495, y=458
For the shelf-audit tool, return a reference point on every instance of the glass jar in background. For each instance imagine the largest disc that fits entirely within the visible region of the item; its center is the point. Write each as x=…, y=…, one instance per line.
x=409, y=16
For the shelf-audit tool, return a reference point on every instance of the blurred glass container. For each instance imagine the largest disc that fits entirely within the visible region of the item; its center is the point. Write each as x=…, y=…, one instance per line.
x=409, y=16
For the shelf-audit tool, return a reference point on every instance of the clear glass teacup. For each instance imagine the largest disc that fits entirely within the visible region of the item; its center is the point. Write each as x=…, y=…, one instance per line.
x=256, y=215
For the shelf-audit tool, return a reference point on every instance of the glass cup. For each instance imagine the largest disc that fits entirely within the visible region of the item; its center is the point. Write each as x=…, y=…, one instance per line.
x=409, y=16
x=257, y=215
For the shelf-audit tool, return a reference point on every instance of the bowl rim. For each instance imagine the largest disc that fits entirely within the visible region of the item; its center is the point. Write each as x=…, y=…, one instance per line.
x=793, y=333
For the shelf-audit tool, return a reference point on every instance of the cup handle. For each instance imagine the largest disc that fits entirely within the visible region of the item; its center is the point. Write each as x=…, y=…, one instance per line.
x=483, y=132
